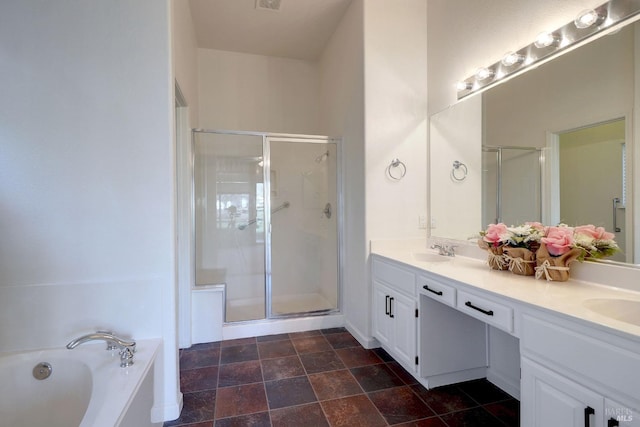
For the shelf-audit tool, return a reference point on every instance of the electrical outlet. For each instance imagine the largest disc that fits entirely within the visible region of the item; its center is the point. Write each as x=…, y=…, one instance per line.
x=433, y=222
x=422, y=222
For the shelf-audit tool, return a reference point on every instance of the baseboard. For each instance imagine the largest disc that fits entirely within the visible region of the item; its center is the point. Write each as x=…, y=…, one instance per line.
x=364, y=339
x=161, y=413
x=505, y=383
x=453, y=378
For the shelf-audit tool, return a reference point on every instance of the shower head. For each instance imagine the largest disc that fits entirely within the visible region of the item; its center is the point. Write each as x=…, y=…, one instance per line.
x=322, y=156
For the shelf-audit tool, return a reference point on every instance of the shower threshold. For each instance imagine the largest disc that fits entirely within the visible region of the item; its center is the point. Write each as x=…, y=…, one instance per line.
x=282, y=306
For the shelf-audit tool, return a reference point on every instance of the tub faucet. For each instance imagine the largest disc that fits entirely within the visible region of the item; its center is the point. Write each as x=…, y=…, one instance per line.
x=127, y=348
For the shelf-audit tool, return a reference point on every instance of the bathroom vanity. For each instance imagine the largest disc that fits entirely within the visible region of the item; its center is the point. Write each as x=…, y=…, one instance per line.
x=569, y=351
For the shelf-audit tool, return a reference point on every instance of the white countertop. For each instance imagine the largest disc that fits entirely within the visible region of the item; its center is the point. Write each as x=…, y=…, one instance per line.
x=566, y=298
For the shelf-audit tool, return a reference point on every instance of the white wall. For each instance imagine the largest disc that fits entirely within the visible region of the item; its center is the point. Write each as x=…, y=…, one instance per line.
x=373, y=94
x=342, y=114
x=241, y=91
x=86, y=176
x=185, y=55
x=395, y=43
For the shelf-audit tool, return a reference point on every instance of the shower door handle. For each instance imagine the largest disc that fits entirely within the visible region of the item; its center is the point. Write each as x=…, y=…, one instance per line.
x=327, y=210
x=617, y=229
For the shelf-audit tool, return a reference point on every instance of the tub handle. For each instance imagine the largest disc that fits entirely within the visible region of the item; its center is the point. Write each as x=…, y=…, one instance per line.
x=126, y=356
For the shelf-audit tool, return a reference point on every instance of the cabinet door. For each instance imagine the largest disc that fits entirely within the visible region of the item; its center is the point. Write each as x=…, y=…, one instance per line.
x=550, y=400
x=381, y=319
x=403, y=321
x=619, y=415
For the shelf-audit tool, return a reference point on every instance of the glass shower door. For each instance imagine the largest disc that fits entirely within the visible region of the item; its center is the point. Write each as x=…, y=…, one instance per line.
x=304, y=229
x=229, y=220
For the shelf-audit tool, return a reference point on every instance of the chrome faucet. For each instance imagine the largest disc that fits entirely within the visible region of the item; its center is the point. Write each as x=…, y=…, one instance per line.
x=127, y=348
x=444, y=249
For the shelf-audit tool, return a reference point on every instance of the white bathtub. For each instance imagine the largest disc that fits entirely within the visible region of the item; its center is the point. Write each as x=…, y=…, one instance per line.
x=87, y=388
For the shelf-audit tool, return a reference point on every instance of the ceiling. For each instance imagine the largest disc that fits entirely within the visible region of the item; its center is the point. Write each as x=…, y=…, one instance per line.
x=300, y=29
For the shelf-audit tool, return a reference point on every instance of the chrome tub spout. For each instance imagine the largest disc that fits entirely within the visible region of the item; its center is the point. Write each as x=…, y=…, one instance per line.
x=127, y=348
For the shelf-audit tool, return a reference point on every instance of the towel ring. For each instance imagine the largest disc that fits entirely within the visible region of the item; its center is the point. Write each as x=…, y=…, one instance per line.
x=396, y=163
x=459, y=166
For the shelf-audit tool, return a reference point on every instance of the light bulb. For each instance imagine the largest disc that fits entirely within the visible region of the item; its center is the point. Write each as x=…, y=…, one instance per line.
x=462, y=85
x=484, y=73
x=586, y=18
x=512, y=58
x=546, y=39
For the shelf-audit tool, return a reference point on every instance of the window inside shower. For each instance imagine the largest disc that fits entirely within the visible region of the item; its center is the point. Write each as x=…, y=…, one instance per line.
x=266, y=223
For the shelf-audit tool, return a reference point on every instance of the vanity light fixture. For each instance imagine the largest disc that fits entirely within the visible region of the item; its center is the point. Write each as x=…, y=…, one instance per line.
x=546, y=39
x=484, y=73
x=512, y=58
x=550, y=44
x=587, y=18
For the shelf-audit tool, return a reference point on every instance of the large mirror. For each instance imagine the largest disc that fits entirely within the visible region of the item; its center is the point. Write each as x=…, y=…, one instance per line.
x=554, y=144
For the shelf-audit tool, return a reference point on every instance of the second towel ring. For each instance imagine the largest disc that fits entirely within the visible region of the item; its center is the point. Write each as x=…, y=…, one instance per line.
x=397, y=176
x=459, y=166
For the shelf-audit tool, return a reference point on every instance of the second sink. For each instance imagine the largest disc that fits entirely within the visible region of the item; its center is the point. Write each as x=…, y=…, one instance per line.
x=623, y=310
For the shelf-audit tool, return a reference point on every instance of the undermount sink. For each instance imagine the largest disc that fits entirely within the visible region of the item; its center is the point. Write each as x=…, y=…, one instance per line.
x=430, y=257
x=623, y=310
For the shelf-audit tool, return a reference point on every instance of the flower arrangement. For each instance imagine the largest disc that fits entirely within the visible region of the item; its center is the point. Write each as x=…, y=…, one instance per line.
x=593, y=242
x=516, y=245
x=533, y=248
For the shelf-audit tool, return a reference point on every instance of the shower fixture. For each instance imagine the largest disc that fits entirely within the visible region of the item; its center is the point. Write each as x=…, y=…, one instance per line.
x=255, y=220
x=322, y=156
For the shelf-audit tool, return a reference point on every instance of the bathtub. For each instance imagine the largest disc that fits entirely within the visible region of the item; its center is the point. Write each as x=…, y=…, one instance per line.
x=86, y=387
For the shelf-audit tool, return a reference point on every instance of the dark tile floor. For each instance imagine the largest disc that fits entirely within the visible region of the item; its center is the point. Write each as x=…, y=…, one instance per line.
x=323, y=378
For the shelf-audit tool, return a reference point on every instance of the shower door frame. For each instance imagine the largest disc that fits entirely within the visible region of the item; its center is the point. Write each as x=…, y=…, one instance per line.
x=541, y=169
x=267, y=137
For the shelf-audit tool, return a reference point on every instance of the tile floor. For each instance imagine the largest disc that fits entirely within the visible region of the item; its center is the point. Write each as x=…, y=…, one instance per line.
x=323, y=378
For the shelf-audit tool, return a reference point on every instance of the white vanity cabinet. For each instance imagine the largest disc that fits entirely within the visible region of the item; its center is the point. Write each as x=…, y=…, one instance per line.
x=394, y=314
x=573, y=375
x=529, y=338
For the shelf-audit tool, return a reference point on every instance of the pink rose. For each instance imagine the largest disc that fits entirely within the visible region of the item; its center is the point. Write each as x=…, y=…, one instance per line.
x=494, y=233
x=598, y=233
x=558, y=240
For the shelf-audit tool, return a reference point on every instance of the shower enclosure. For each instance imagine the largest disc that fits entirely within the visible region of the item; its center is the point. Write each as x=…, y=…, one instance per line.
x=511, y=184
x=266, y=222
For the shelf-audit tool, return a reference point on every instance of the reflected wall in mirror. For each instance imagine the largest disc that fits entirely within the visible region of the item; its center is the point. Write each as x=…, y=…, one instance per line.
x=452, y=194
x=591, y=178
x=527, y=118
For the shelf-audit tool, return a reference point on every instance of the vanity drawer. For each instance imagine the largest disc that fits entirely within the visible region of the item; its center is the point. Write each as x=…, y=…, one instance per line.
x=399, y=278
x=487, y=310
x=437, y=290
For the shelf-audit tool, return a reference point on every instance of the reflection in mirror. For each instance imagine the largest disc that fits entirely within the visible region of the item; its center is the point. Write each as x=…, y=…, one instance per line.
x=591, y=179
x=508, y=174
x=529, y=117
x=455, y=135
